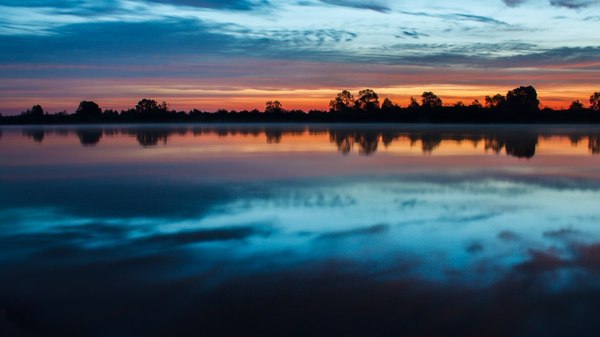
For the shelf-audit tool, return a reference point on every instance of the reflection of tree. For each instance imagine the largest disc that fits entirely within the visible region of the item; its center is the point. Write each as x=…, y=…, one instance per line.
x=494, y=144
x=343, y=140
x=273, y=136
x=521, y=146
x=36, y=134
x=89, y=137
x=594, y=144
x=575, y=139
x=516, y=145
x=387, y=139
x=148, y=138
x=430, y=142
x=367, y=141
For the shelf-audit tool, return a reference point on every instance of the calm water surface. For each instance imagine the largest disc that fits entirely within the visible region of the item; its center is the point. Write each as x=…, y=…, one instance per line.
x=230, y=230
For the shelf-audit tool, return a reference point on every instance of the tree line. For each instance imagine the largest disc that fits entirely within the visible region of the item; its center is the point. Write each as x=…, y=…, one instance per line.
x=519, y=105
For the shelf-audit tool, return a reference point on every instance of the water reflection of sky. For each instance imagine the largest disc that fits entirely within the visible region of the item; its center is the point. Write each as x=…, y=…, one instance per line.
x=233, y=234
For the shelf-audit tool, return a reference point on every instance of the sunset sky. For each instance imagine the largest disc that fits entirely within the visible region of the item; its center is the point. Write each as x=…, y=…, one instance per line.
x=236, y=54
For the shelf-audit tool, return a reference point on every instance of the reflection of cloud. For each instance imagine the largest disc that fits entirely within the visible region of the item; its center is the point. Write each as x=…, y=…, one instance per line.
x=356, y=232
x=542, y=261
x=507, y=235
x=206, y=235
x=474, y=247
x=562, y=233
x=104, y=197
x=469, y=218
x=115, y=291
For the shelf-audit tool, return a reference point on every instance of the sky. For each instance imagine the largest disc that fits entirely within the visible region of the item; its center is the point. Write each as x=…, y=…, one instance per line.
x=236, y=54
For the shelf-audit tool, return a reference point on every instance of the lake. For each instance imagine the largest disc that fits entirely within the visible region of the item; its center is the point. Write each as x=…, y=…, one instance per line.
x=299, y=230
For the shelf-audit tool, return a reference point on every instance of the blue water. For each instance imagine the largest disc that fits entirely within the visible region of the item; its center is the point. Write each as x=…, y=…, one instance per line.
x=288, y=230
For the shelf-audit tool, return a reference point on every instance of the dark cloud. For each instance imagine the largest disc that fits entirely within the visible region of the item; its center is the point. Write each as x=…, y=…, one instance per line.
x=573, y=4
x=458, y=17
x=513, y=3
x=129, y=43
x=218, y=4
x=413, y=34
x=75, y=7
x=378, y=6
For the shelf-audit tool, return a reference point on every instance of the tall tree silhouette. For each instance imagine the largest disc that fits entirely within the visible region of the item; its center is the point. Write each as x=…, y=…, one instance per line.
x=430, y=100
x=522, y=99
x=367, y=100
x=595, y=101
x=387, y=105
x=576, y=106
x=413, y=104
x=273, y=107
x=344, y=101
x=476, y=104
x=88, y=109
x=150, y=108
x=35, y=111
x=495, y=102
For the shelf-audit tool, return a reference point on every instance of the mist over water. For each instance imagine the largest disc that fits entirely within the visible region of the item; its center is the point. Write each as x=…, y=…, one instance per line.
x=291, y=230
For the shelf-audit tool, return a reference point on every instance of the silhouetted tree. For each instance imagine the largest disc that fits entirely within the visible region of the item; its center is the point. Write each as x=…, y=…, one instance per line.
x=344, y=101
x=387, y=105
x=88, y=109
x=459, y=104
x=495, y=102
x=35, y=111
x=476, y=104
x=367, y=100
x=273, y=107
x=595, y=101
x=414, y=104
x=430, y=100
x=522, y=99
x=110, y=114
x=150, y=108
x=576, y=106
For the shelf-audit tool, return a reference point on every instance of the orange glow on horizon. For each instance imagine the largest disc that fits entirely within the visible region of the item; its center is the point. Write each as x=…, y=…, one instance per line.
x=188, y=97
